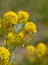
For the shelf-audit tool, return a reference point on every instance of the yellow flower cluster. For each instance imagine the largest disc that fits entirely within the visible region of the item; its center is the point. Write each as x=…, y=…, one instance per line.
x=31, y=49
x=30, y=27
x=40, y=49
x=11, y=17
x=23, y=16
x=19, y=38
x=14, y=39
x=10, y=21
x=11, y=37
x=31, y=53
x=4, y=56
x=20, y=35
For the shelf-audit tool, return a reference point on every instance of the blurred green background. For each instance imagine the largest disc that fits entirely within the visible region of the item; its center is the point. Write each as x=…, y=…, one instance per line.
x=38, y=10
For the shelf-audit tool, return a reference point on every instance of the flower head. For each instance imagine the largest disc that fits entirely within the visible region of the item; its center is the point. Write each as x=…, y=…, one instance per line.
x=4, y=55
x=31, y=49
x=20, y=35
x=41, y=49
x=19, y=38
x=11, y=37
x=13, y=16
x=30, y=27
x=23, y=16
x=8, y=20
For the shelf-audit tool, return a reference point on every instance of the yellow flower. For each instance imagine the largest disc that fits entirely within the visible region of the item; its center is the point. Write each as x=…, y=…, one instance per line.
x=11, y=37
x=8, y=20
x=31, y=53
x=41, y=49
x=31, y=49
x=4, y=56
x=19, y=38
x=6, y=23
x=23, y=16
x=20, y=35
x=30, y=27
x=10, y=34
x=11, y=15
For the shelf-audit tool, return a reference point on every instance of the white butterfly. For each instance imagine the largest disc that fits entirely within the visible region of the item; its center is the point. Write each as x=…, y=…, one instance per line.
x=18, y=27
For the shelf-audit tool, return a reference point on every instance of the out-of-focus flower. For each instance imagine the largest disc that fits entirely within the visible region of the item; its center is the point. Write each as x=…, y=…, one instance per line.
x=41, y=49
x=31, y=53
x=32, y=59
x=4, y=56
x=46, y=56
x=31, y=49
x=23, y=16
